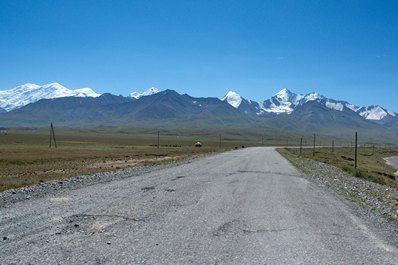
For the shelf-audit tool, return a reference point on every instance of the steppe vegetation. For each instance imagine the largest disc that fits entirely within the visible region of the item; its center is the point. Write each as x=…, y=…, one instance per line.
x=26, y=159
x=371, y=165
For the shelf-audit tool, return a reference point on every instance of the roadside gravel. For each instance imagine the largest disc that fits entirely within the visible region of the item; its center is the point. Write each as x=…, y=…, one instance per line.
x=47, y=188
x=376, y=203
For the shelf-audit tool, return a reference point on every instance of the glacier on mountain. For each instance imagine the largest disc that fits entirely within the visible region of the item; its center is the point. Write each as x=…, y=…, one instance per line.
x=335, y=106
x=29, y=93
x=374, y=113
x=233, y=99
x=285, y=102
x=150, y=91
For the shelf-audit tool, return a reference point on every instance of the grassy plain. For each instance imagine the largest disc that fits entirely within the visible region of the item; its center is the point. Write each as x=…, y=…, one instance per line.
x=370, y=164
x=26, y=159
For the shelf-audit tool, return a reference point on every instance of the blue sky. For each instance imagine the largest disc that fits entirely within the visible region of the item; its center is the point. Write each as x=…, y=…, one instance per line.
x=341, y=49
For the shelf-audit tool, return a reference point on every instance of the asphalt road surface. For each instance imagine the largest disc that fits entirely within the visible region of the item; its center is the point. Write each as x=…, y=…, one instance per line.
x=241, y=207
x=393, y=161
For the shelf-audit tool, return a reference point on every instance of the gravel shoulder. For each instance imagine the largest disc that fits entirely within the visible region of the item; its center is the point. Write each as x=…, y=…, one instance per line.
x=378, y=204
x=12, y=196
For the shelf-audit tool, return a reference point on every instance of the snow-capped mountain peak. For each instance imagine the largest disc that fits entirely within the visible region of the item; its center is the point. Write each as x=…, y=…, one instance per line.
x=335, y=105
x=148, y=92
x=27, y=86
x=373, y=113
x=86, y=92
x=352, y=107
x=282, y=102
x=284, y=94
x=286, y=101
x=313, y=97
x=54, y=86
x=287, y=96
x=30, y=93
x=233, y=99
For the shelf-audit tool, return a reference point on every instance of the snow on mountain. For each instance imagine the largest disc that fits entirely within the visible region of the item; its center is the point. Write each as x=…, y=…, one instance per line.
x=285, y=102
x=28, y=86
x=313, y=97
x=245, y=106
x=374, y=113
x=233, y=99
x=30, y=93
x=148, y=92
x=336, y=106
x=85, y=92
x=286, y=96
x=352, y=107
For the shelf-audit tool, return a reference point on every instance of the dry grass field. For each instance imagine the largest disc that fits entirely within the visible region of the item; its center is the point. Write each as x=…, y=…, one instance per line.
x=370, y=165
x=26, y=159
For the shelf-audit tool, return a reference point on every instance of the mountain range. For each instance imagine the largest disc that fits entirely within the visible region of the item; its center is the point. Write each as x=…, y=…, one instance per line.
x=286, y=102
x=34, y=105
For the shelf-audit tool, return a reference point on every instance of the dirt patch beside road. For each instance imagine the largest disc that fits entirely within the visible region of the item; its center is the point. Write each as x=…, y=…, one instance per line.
x=124, y=163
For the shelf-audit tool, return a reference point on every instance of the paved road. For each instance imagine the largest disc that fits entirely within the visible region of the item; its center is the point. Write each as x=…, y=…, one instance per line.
x=393, y=161
x=241, y=207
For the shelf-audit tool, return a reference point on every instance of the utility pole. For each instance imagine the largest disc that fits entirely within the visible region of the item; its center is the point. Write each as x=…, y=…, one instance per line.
x=220, y=142
x=301, y=145
x=52, y=136
x=313, y=149
x=332, y=146
x=356, y=149
x=158, y=139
